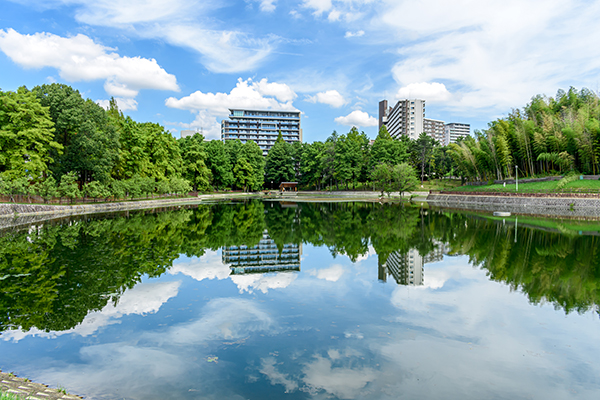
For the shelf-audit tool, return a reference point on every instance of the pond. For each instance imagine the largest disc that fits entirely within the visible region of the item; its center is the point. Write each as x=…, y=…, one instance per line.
x=271, y=300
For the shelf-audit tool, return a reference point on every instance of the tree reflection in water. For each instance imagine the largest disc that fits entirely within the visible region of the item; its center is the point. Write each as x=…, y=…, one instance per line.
x=52, y=275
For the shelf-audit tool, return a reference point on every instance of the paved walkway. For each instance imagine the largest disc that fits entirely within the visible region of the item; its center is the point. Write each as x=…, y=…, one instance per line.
x=26, y=389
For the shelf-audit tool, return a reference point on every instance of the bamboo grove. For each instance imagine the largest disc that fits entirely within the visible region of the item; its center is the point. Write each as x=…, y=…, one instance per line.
x=549, y=136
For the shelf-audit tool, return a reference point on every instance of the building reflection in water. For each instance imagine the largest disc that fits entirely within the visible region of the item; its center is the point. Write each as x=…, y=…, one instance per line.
x=408, y=269
x=264, y=257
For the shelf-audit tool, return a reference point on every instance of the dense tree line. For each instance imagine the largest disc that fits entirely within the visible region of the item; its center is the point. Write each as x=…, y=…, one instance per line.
x=55, y=143
x=350, y=160
x=549, y=136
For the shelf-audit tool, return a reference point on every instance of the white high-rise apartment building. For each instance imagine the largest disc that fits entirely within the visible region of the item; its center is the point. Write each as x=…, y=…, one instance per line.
x=405, y=118
x=263, y=127
x=435, y=128
x=455, y=131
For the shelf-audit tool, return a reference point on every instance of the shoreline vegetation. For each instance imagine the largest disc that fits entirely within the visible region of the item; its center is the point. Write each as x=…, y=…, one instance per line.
x=55, y=143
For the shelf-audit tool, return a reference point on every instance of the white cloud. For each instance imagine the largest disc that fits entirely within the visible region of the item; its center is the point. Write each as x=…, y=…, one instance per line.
x=209, y=266
x=205, y=122
x=263, y=282
x=332, y=274
x=330, y=97
x=354, y=34
x=192, y=24
x=124, y=104
x=428, y=91
x=318, y=6
x=145, y=298
x=336, y=10
x=370, y=253
x=343, y=382
x=357, y=118
x=225, y=318
x=496, y=55
x=268, y=367
x=246, y=94
x=79, y=58
x=280, y=91
x=268, y=5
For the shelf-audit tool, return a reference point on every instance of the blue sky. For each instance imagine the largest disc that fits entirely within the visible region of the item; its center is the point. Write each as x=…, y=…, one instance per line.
x=184, y=63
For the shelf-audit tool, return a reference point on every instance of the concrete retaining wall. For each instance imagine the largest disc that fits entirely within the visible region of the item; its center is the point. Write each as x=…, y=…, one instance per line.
x=13, y=215
x=552, y=206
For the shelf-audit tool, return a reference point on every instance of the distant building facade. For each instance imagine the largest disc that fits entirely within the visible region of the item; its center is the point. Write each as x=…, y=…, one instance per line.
x=187, y=133
x=408, y=268
x=455, y=131
x=262, y=127
x=435, y=128
x=407, y=117
x=264, y=257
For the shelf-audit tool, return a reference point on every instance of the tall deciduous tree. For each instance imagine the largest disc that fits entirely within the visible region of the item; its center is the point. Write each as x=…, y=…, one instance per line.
x=219, y=163
x=194, y=162
x=252, y=153
x=279, y=165
x=26, y=136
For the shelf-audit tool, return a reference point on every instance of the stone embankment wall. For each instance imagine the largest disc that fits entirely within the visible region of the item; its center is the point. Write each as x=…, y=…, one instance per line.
x=551, y=206
x=13, y=215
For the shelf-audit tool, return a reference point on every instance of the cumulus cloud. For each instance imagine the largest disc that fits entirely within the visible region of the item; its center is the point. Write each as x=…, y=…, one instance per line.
x=268, y=5
x=348, y=10
x=332, y=274
x=79, y=58
x=209, y=266
x=246, y=94
x=357, y=118
x=145, y=298
x=354, y=34
x=330, y=97
x=497, y=55
x=204, y=121
x=342, y=382
x=427, y=91
x=263, y=282
x=226, y=318
x=268, y=367
x=124, y=104
x=191, y=24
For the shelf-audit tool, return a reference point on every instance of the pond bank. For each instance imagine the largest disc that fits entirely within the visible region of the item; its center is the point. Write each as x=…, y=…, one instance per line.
x=26, y=389
x=570, y=207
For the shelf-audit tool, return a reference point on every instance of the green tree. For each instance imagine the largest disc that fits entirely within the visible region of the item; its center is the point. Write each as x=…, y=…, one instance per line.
x=46, y=189
x=95, y=190
x=382, y=178
x=68, y=186
x=219, y=162
x=91, y=143
x=244, y=174
x=422, y=148
x=26, y=136
x=279, y=165
x=403, y=178
x=194, y=162
x=253, y=155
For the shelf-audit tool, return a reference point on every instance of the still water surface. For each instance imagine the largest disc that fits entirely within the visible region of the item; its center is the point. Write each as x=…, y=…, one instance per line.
x=260, y=300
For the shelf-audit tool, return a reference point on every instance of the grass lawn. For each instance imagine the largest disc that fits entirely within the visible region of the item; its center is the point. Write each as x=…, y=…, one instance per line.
x=534, y=187
x=439, y=184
